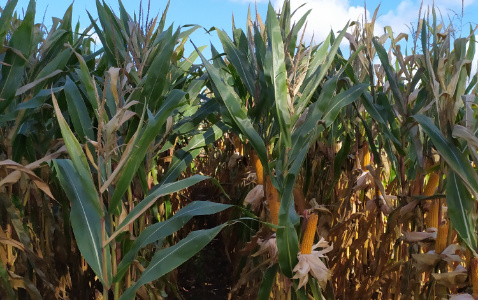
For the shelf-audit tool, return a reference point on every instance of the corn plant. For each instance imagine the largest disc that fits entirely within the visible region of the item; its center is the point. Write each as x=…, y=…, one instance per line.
x=34, y=63
x=274, y=79
x=120, y=117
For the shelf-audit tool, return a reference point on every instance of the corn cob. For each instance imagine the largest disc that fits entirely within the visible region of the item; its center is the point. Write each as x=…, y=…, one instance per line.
x=273, y=201
x=442, y=237
x=308, y=238
x=474, y=276
x=366, y=156
x=258, y=166
x=432, y=216
x=431, y=185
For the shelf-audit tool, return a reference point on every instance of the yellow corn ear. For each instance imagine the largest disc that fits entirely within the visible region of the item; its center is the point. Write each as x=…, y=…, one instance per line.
x=258, y=166
x=309, y=234
x=474, y=276
x=273, y=200
x=238, y=145
x=432, y=216
x=442, y=237
x=366, y=156
x=221, y=145
x=431, y=185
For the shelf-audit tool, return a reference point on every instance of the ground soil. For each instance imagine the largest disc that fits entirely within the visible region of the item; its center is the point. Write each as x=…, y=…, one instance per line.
x=207, y=275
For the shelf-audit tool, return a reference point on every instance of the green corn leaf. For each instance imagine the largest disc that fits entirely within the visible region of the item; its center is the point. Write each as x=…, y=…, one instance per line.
x=156, y=82
x=208, y=137
x=186, y=64
x=276, y=72
x=284, y=19
x=461, y=210
x=450, y=153
x=160, y=231
x=163, y=17
x=6, y=18
x=53, y=45
x=239, y=61
x=109, y=52
x=181, y=160
x=57, y=63
x=260, y=48
x=137, y=156
x=125, y=18
x=183, y=157
x=192, y=122
x=159, y=191
x=370, y=108
x=397, y=93
x=341, y=100
x=166, y=260
x=267, y=282
x=112, y=33
x=237, y=112
x=287, y=239
x=84, y=216
x=78, y=157
x=22, y=42
x=295, y=32
x=320, y=65
x=38, y=99
x=87, y=82
x=78, y=112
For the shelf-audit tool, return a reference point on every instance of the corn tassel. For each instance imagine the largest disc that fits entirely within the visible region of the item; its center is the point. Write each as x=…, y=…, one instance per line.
x=273, y=200
x=366, y=156
x=474, y=276
x=442, y=237
x=431, y=185
x=309, y=234
x=258, y=166
x=432, y=216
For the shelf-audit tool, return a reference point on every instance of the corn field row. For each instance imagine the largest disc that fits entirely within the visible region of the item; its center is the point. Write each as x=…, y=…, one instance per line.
x=324, y=174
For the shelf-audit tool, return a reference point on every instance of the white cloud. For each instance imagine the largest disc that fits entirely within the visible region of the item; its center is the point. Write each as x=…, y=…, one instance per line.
x=325, y=15
x=334, y=14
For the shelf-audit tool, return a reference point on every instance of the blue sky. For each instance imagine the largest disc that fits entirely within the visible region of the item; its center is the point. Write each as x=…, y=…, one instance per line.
x=326, y=14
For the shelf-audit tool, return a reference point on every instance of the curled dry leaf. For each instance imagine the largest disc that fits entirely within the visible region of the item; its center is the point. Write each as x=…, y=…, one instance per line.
x=452, y=279
x=325, y=218
x=452, y=253
x=384, y=205
x=414, y=237
x=462, y=297
x=268, y=245
x=365, y=180
x=16, y=175
x=255, y=197
x=114, y=73
x=408, y=207
x=426, y=261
